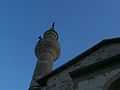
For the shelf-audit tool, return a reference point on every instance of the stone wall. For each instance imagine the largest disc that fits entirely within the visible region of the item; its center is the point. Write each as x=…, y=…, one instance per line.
x=98, y=82
x=63, y=80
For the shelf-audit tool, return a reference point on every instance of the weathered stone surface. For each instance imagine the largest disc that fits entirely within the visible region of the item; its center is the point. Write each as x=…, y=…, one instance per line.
x=64, y=81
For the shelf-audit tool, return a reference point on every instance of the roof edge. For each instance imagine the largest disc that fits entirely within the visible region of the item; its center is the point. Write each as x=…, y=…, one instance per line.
x=42, y=81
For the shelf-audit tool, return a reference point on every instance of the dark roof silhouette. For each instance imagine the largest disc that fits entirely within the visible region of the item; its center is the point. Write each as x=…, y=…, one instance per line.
x=42, y=81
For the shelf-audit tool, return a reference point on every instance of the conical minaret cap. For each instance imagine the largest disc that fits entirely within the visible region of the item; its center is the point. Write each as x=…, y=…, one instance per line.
x=51, y=33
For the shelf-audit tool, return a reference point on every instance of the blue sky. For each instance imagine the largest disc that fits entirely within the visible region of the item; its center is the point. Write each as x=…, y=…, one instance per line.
x=80, y=23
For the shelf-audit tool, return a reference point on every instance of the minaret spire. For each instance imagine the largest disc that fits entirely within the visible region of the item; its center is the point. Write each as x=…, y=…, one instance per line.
x=47, y=51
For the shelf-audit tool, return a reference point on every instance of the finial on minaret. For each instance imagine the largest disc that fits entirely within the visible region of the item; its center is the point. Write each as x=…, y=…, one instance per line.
x=53, y=25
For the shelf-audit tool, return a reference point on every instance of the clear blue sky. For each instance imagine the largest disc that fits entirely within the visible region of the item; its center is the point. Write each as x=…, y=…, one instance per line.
x=80, y=23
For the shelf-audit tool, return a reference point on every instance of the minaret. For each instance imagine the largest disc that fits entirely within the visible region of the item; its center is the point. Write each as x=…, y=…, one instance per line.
x=47, y=51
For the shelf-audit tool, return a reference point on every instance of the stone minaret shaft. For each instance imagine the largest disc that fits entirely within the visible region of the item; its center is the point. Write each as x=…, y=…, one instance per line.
x=47, y=51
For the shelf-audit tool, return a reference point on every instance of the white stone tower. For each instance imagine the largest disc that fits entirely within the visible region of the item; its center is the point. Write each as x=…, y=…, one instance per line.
x=47, y=51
